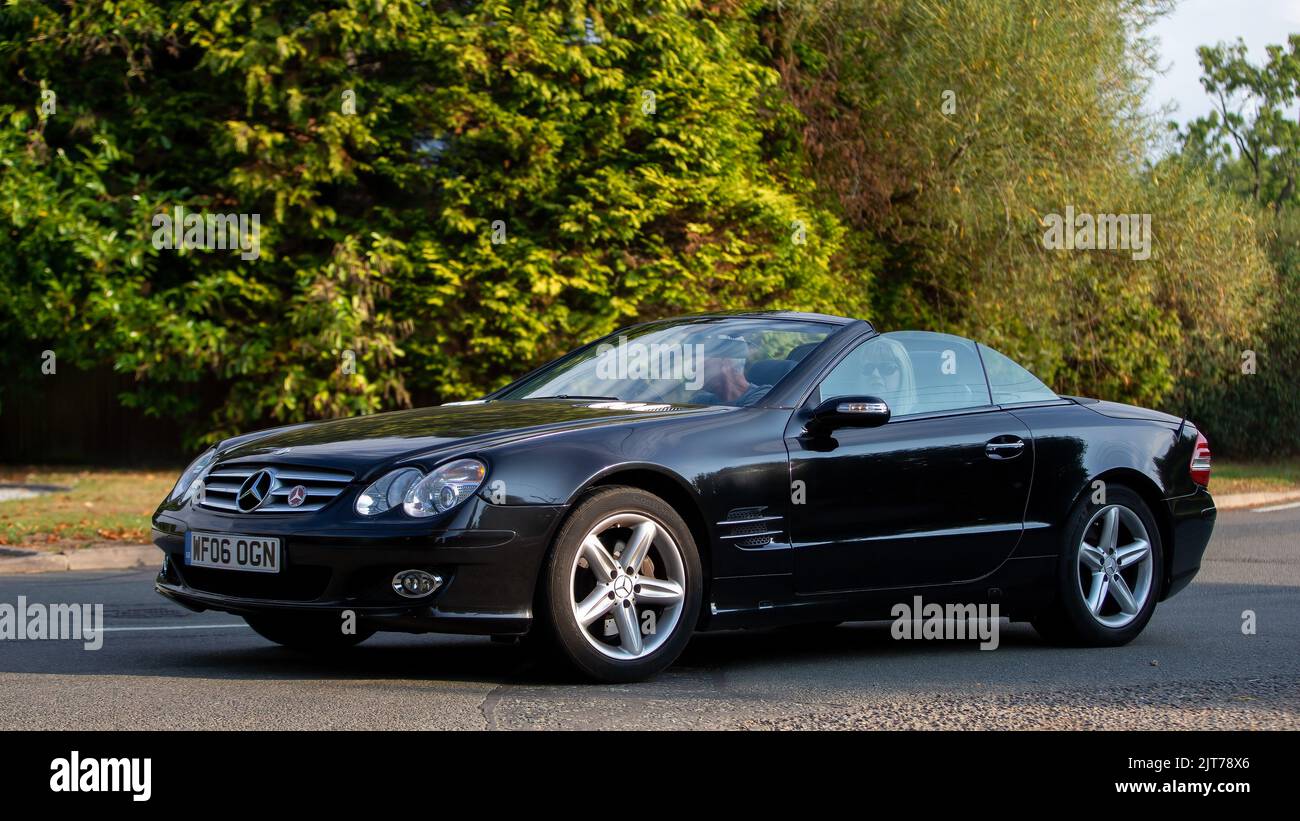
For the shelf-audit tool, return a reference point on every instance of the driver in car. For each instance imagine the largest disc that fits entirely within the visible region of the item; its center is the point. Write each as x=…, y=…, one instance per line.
x=724, y=374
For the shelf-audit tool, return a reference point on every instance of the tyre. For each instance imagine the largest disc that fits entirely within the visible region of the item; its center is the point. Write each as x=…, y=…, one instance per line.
x=1110, y=571
x=623, y=585
x=312, y=633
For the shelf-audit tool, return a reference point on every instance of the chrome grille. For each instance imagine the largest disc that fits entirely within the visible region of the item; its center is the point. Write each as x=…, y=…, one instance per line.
x=222, y=483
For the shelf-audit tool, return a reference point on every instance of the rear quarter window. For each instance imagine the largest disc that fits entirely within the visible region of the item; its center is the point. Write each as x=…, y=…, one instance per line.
x=1010, y=383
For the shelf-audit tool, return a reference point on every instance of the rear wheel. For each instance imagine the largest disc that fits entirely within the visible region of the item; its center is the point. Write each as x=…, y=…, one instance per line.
x=311, y=633
x=1109, y=575
x=623, y=585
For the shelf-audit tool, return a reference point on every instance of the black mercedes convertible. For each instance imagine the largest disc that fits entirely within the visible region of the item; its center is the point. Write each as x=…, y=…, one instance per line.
x=703, y=473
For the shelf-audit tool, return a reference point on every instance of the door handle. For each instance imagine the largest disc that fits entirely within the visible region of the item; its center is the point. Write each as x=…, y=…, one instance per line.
x=1004, y=447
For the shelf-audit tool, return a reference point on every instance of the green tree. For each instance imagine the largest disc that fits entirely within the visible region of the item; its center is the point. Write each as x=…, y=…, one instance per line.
x=513, y=177
x=1251, y=138
x=947, y=131
x=453, y=192
x=1250, y=146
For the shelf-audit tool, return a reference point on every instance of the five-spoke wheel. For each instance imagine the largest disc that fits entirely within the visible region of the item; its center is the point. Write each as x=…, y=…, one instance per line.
x=1115, y=564
x=623, y=585
x=1110, y=572
x=629, y=584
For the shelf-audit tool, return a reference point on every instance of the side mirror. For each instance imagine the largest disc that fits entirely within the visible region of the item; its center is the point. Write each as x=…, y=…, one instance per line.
x=849, y=412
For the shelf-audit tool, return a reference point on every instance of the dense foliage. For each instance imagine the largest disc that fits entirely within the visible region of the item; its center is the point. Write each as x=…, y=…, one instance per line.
x=451, y=192
x=1249, y=145
x=1044, y=113
x=631, y=161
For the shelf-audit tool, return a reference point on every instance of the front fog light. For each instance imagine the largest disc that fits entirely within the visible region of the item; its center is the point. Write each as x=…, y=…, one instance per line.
x=414, y=584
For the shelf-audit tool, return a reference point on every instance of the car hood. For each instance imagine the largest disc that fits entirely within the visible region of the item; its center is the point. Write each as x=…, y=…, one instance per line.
x=364, y=443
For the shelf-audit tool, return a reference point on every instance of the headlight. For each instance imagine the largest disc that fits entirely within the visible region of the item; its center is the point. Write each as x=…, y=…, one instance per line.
x=387, y=492
x=445, y=488
x=188, y=483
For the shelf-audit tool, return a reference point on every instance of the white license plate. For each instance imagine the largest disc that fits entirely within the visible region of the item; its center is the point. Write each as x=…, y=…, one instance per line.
x=232, y=551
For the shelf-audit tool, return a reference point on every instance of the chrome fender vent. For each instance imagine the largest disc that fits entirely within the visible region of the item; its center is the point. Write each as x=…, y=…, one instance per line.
x=751, y=527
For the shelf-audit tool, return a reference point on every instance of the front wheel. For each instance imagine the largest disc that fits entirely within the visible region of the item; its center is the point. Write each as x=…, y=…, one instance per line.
x=623, y=585
x=1109, y=575
x=311, y=633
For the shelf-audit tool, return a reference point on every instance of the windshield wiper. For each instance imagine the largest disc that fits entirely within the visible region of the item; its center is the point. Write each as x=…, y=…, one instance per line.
x=576, y=396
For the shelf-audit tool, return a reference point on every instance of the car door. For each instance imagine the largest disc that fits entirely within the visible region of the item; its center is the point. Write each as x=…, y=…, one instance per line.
x=935, y=495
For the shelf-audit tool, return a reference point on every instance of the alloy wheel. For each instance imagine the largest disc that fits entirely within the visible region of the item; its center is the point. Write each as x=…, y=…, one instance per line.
x=628, y=586
x=1115, y=564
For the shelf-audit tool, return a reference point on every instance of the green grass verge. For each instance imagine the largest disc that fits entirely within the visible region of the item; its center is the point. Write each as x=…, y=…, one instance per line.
x=100, y=505
x=1254, y=477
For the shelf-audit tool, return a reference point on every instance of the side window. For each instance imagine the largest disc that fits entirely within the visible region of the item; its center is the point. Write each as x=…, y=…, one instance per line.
x=1011, y=383
x=913, y=371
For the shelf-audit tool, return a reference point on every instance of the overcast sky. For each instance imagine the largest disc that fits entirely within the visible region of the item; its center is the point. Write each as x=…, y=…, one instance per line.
x=1206, y=22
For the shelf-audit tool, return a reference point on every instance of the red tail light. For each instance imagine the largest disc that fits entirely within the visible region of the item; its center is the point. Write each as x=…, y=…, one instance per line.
x=1200, y=466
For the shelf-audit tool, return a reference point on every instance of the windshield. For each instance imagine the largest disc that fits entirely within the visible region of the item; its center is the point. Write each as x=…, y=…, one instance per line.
x=706, y=361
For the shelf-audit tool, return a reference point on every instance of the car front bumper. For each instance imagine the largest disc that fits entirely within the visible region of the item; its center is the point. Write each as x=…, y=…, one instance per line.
x=488, y=556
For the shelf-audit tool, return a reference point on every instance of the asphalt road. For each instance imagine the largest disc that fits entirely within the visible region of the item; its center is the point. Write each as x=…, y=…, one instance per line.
x=162, y=667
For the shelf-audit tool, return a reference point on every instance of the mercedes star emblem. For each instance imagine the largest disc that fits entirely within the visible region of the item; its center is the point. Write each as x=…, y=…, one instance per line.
x=255, y=490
